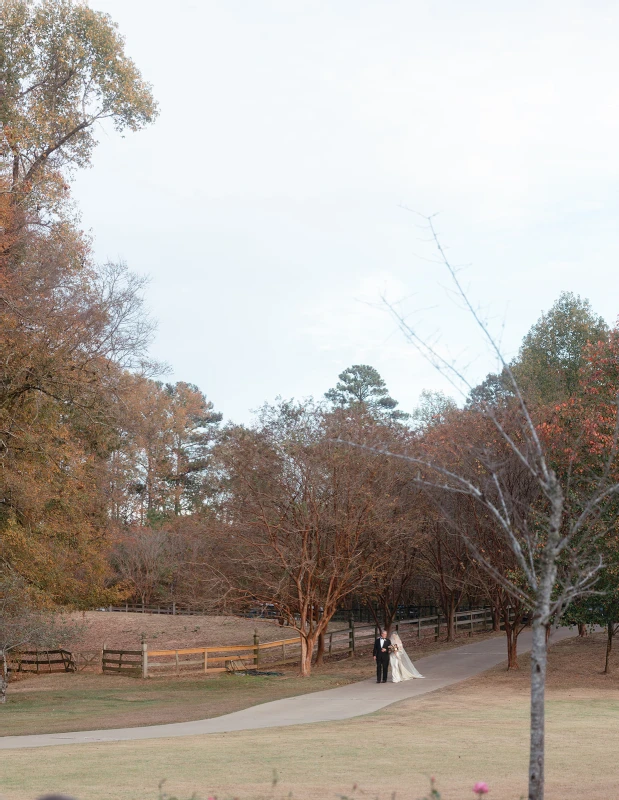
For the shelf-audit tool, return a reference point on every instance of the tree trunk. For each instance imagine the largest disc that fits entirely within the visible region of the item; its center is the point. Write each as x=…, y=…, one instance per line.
x=610, y=629
x=538, y=681
x=582, y=629
x=450, y=613
x=4, y=676
x=512, y=646
x=320, y=650
x=307, y=649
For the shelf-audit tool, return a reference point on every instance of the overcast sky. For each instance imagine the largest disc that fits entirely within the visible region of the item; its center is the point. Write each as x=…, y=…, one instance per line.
x=266, y=202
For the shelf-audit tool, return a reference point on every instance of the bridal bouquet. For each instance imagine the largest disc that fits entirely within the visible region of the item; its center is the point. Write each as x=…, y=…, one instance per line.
x=393, y=648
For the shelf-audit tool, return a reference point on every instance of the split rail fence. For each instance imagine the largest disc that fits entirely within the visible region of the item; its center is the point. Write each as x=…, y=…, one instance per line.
x=173, y=609
x=148, y=663
x=239, y=658
x=42, y=661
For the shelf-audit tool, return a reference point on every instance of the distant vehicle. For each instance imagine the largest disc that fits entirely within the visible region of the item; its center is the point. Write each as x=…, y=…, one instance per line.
x=264, y=611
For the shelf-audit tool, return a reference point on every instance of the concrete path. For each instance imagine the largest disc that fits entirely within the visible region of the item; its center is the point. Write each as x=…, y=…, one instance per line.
x=344, y=702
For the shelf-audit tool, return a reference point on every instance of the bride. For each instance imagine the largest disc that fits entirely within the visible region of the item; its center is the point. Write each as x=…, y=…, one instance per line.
x=402, y=668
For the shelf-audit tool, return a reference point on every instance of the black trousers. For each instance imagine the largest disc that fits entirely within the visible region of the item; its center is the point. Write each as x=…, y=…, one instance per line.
x=382, y=665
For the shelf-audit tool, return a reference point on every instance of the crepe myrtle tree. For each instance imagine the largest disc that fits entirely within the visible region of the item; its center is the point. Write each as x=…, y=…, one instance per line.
x=301, y=514
x=22, y=624
x=554, y=539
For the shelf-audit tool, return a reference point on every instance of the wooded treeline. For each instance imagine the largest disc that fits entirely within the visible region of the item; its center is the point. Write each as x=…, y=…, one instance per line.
x=116, y=484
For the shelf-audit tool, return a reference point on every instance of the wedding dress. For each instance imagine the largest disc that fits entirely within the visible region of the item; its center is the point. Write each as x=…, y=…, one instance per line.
x=402, y=668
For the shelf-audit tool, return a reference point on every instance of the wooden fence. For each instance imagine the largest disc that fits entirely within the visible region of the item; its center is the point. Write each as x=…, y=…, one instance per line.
x=147, y=663
x=355, y=636
x=234, y=658
x=173, y=609
x=88, y=660
x=209, y=660
x=122, y=662
x=42, y=661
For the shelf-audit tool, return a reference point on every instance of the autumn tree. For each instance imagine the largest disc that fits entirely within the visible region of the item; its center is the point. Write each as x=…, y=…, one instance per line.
x=551, y=355
x=63, y=70
x=299, y=513
x=69, y=329
x=163, y=465
x=66, y=337
x=553, y=540
x=582, y=435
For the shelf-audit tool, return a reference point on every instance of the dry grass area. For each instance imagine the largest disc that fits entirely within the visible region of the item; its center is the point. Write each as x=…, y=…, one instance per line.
x=477, y=730
x=119, y=629
x=87, y=701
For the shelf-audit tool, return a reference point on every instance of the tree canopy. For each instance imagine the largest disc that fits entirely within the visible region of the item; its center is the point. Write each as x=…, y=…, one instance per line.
x=362, y=386
x=63, y=69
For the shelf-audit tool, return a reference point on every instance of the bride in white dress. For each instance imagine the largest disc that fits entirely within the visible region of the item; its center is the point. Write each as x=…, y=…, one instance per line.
x=402, y=668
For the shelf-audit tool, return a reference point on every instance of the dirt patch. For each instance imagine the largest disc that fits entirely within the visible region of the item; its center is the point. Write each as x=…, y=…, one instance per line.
x=576, y=663
x=120, y=629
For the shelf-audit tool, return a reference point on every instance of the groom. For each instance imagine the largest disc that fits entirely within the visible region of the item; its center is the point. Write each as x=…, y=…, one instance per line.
x=381, y=656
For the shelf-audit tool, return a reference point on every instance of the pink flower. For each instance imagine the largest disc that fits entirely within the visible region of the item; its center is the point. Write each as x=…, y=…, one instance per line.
x=481, y=788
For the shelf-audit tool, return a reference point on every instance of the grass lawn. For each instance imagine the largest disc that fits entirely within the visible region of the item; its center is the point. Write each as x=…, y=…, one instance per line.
x=87, y=701
x=477, y=730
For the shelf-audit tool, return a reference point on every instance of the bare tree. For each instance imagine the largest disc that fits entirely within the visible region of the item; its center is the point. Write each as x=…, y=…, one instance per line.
x=553, y=541
x=22, y=624
x=143, y=558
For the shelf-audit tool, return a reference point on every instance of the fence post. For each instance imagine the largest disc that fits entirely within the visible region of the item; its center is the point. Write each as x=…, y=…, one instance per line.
x=205, y=660
x=174, y=608
x=256, y=648
x=351, y=637
x=330, y=642
x=419, y=628
x=284, y=650
x=144, y=659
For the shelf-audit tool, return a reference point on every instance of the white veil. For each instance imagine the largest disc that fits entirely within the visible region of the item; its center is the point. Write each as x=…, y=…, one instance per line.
x=407, y=664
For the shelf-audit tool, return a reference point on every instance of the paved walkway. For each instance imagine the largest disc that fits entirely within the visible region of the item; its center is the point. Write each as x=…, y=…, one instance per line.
x=344, y=702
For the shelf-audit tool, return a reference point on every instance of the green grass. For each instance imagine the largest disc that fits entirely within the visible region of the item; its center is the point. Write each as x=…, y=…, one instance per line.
x=86, y=702
x=477, y=730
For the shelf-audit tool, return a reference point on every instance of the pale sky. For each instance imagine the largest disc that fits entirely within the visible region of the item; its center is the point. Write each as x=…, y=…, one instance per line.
x=266, y=201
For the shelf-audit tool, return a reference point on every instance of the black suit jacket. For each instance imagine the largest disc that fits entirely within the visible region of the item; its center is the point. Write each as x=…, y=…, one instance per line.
x=386, y=645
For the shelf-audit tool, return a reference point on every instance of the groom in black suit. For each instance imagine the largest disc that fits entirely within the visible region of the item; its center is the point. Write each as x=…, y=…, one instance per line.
x=381, y=656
